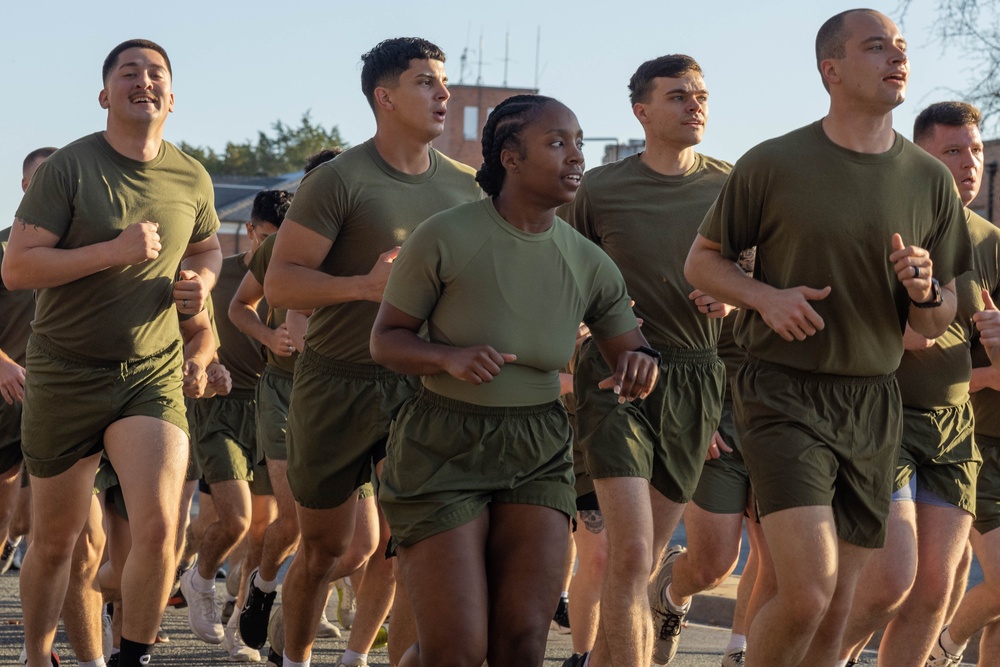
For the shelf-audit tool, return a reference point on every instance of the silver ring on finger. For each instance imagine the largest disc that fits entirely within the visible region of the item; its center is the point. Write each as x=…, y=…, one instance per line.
x=184, y=304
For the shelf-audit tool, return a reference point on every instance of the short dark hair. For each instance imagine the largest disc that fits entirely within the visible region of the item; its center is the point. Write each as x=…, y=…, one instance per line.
x=270, y=206
x=390, y=58
x=950, y=114
x=675, y=65
x=112, y=58
x=37, y=154
x=319, y=157
x=831, y=39
x=501, y=131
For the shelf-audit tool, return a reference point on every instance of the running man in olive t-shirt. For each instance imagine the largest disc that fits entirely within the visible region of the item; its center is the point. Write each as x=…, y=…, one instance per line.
x=857, y=231
x=100, y=233
x=333, y=254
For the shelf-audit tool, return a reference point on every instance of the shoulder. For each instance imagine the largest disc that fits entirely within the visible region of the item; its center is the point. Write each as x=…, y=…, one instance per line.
x=715, y=166
x=184, y=162
x=454, y=167
x=607, y=175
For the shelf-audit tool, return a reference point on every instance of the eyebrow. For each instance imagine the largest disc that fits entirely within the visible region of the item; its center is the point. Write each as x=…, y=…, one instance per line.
x=872, y=40
x=133, y=63
x=700, y=91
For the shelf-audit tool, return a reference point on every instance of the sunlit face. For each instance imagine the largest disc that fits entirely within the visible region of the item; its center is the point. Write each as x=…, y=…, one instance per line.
x=549, y=164
x=419, y=100
x=961, y=150
x=137, y=89
x=676, y=110
x=258, y=231
x=874, y=70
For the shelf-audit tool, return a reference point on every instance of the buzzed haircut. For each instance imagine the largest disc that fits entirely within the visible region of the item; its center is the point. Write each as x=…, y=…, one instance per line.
x=831, y=40
x=270, y=206
x=319, y=157
x=112, y=58
x=950, y=114
x=37, y=154
x=672, y=66
x=390, y=58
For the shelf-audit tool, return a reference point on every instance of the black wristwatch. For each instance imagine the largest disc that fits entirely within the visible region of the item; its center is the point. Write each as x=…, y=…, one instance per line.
x=935, y=300
x=651, y=352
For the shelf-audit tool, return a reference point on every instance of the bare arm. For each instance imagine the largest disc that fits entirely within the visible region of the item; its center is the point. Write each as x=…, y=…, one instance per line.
x=32, y=260
x=396, y=345
x=635, y=373
x=915, y=270
x=199, y=352
x=295, y=280
x=786, y=311
x=199, y=270
x=243, y=313
x=298, y=322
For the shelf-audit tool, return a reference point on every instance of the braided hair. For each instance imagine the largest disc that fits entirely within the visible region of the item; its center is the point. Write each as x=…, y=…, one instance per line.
x=501, y=131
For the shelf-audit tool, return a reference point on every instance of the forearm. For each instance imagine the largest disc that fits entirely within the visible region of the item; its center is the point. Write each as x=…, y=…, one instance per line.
x=403, y=351
x=41, y=267
x=707, y=270
x=289, y=285
x=247, y=320
x=206, y=263
x=932, y=322
x=987, y=376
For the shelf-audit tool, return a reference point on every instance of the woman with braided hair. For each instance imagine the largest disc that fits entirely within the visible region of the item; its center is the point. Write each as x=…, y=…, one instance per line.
x=478, y=481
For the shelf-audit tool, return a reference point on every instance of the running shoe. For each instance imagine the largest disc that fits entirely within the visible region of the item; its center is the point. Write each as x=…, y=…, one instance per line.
x=276, y=631
x=347, y=603
x=233, y=643
x=560, y=621
x=575, y=660
x=274, y=659
x=734, y=658
x=326, y=629
x=360, y=662
x=203, y=613
x=255, y=613
x=7, y=556
x=940, y=657
x=667, y=624
x=228, y=607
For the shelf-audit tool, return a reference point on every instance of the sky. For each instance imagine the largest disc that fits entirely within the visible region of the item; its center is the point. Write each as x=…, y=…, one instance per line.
x=240, y=66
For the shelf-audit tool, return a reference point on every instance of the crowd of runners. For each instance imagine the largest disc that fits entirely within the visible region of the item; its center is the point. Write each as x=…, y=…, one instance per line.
x=476, y=404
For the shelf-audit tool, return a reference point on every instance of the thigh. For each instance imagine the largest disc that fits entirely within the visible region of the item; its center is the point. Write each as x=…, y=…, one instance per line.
x=988, y=489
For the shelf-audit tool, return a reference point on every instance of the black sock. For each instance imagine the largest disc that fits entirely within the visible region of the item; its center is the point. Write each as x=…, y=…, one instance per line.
x=134, y=654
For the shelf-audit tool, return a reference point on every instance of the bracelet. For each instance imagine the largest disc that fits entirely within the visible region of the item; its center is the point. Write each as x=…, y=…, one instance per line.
x=650, y=352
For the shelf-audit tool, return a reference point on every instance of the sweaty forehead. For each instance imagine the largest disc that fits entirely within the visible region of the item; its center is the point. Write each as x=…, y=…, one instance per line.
x=865, y=25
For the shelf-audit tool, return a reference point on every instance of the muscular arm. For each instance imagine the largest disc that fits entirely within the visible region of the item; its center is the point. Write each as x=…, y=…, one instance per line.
x=243, y=313
x=32, y=260
x=295, y=280
x=205, y=259
x=199, y=353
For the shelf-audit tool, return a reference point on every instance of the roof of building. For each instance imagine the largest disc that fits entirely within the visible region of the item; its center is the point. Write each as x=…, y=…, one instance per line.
x=234, y=194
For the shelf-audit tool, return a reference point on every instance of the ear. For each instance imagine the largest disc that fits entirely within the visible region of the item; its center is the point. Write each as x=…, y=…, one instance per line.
x=170, y=104
x=383, y=99
x=830, y=70
x=510, y=160
x=249, y=230
x=639, y=111
x=102, y=98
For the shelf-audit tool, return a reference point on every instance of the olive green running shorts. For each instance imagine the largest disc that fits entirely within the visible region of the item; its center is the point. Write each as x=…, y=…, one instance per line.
x=10, y=435
x=815, y=439
x=274, y=393
x=940, y=449
x=447, y=460
x=724, y=487
x=988, y=486
x=260, y=485
x=88, y=396
x=662, y=438
x=106, y=481
x=338, y=421
x=225, y=444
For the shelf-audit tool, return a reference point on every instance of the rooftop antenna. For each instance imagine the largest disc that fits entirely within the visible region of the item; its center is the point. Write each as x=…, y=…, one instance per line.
x=538, y=51
x=464, y=63
x=479, y=74
x=506, y=56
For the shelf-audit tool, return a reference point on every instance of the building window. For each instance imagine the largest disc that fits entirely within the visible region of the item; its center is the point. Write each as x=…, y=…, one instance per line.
x=470, y=123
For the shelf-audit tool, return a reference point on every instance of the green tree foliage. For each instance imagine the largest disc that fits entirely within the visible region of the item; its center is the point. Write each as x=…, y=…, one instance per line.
x=282, y=151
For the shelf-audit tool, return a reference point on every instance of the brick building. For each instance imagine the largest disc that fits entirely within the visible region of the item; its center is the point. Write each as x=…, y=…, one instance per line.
x=468, y=109
x=991, y=175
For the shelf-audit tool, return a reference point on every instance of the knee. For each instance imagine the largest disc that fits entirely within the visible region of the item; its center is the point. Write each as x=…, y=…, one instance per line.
x=809, y=604
x=931, y=592
x=710, y=571
x=152, y=533
x=593, y=566
x=234, y=526
x=630, y=559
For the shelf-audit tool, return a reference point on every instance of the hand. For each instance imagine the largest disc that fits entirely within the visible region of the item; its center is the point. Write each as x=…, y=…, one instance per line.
x=195, y=379
x=717, y=447
x=987, y=377
x=788, y=313
x=280, y=341
x=635, y=376
x=190, y=293
x=477, y=364
x=219, y=378
x=709, y=305
x=11, y=381
x=915, y=341
x=988, y=322
x=582, y=334
x=379, y=275
x=138, y=243
x=914, y=268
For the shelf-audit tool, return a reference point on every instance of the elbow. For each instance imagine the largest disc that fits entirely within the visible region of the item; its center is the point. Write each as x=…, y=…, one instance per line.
x=376, y=347
x=690, y=268
x=13, y=277
x=272, y=289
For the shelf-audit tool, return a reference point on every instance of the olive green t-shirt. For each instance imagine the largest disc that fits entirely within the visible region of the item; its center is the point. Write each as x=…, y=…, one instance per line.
x=730, y=353
x=475, y=279
x=822, y=215
x=238, y=352
x=88, y=193
x=938, y=377
x=16, y=310
x=986, y=246
x=646, y=222
x=366, y=207
x=275, y=316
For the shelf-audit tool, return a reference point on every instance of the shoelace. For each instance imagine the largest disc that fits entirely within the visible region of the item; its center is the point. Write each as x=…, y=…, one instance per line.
x=671, y=625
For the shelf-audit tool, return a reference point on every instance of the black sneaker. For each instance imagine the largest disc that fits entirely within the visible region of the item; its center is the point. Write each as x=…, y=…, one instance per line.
x=255, y=614
x=560, y=620
x=112, y=661
x=273, y=659
x=576, y=660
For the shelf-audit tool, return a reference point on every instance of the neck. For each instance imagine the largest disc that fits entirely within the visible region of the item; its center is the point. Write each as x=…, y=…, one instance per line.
x=527, y=216
x=859, y=131
x=142, y=144
x=403, y=151
x=667, y=160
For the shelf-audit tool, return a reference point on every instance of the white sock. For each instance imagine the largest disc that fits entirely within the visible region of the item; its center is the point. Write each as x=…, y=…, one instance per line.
x=288, y=662
x=93, y=663
x=352, y=657
x=265, y=585
x=564, y=595
x=736, y=643
x=674, y=607
x=950, y=645
x=14, y=542
x=201, y=584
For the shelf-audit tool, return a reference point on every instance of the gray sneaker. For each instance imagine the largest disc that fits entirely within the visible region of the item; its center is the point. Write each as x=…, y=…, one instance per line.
x=940, y=657
x=666, y=623
x=734, y=659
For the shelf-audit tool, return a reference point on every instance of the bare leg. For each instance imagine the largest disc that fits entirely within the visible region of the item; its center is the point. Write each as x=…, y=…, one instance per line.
x=981, y=605
x=82, y=608
x=713, y=547
x=404, y=625
x=377, y=584
x=961, y=582
x=585, y=590
x=282, y=535
x=232, y=505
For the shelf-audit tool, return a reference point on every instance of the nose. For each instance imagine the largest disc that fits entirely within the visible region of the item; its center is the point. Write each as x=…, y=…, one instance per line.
x=443, y=93
x=694, y=104
x=576, y=155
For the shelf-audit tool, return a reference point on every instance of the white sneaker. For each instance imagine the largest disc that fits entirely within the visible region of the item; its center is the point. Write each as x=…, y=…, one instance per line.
x=939, y=657
x=734, y=658
x=360, y=662
x=233, y=643
x=203, y=612
x=326, y=629
x=347, y=605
